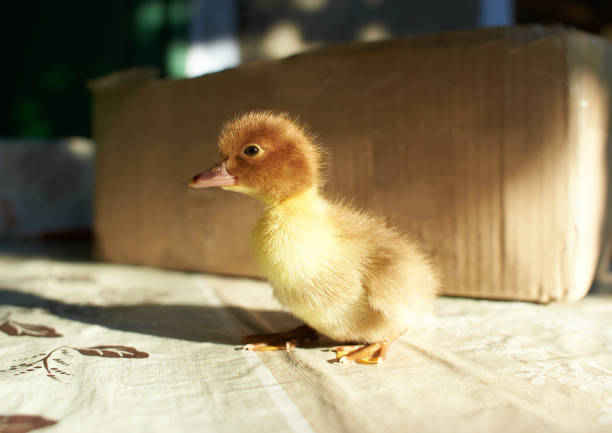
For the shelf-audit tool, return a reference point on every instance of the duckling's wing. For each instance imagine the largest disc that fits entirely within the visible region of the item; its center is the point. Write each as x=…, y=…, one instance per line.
x=399, y=279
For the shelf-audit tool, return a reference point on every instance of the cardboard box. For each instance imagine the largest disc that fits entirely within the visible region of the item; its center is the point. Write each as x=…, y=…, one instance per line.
x=489, y=146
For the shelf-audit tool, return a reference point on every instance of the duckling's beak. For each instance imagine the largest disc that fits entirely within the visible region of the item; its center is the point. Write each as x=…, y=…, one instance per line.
x=215, y=176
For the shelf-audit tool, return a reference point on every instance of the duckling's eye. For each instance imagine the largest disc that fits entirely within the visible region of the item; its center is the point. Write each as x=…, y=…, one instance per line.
x=251, y=150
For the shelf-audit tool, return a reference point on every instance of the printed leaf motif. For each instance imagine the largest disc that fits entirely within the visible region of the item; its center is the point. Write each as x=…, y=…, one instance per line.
x=57, y=362
x=10, y=327
x=112, y=352
x=23, y=423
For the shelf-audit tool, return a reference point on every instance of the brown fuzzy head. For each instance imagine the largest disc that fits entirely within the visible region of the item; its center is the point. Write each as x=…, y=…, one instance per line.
x=269, y=155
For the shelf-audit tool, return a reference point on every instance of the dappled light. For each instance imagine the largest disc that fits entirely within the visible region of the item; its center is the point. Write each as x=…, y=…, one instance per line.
x=310, y=5
x=283, y=39
x=212, y=56
x=374, y=31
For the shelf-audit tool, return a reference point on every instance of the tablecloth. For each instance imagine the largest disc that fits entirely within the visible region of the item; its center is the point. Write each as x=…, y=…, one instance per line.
x=88, y=347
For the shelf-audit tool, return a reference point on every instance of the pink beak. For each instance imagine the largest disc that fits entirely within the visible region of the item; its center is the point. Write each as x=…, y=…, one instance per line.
x=215, y=176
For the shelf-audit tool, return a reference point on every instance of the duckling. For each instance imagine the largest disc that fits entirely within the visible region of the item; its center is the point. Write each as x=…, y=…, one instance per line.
x=347, y=274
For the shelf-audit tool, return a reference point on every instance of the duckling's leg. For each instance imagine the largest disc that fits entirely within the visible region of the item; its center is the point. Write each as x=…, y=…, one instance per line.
x=282, y=340
x=373, y=353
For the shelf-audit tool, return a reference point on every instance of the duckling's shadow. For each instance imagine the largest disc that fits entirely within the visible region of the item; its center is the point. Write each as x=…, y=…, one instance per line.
x=199, y=323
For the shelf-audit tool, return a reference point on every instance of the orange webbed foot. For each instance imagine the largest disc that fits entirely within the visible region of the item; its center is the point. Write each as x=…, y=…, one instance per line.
x=300, y=336
x=367, y=354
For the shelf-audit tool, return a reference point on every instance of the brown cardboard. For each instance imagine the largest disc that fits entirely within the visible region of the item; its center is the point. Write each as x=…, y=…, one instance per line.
x=489, y=146
x=110, y=92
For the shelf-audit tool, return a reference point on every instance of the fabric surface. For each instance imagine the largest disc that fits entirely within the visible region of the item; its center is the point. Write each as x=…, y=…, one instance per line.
x=97, y=347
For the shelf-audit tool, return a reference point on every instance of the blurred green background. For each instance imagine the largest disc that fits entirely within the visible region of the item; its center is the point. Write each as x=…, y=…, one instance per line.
x=52, y=48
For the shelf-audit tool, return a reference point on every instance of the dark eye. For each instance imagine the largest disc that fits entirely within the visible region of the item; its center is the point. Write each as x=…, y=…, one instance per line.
x=251, y=150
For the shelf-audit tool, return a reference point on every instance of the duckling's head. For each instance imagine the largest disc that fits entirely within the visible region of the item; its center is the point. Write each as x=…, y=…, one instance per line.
x=264, y=154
